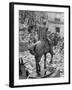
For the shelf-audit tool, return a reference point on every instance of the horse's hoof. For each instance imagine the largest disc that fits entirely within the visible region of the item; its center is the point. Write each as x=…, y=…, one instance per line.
x=38, y=75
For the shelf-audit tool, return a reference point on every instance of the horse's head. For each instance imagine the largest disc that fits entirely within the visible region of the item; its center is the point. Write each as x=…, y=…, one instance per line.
x=54, y=38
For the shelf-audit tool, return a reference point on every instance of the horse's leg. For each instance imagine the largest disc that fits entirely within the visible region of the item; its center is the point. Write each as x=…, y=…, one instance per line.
x=45, y=63
x=37, y=66
x=51, y=59
x=51, y=52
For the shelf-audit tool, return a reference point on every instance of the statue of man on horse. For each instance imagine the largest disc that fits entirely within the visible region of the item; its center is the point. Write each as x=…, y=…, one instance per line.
x=42, y=46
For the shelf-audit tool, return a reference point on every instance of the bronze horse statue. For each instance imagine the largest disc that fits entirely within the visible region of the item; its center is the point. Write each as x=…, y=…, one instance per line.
x=42, y=47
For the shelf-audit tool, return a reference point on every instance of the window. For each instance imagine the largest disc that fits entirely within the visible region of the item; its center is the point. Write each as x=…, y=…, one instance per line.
x=58, y=29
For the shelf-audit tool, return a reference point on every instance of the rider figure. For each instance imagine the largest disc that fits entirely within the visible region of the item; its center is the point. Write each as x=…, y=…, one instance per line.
x=42, y=32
